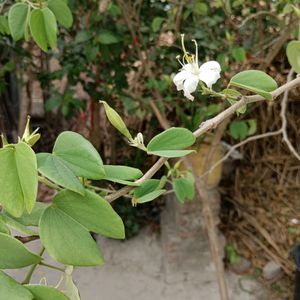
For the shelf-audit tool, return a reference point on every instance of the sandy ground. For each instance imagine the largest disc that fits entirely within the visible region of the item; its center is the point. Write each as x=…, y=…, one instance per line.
x=135, y=270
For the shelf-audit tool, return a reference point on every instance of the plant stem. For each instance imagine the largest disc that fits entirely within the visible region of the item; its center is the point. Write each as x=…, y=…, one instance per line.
x=52, y=267
x=48, y=183
x=32, y=269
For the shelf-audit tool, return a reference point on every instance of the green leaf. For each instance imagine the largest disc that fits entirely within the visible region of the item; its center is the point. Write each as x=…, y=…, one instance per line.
x=12, y=290
x=42, y=292
x=79, y=155
x=170, y=141
x=296, y=10
x=3, y=226
x=252, y=124
x=184, y=188
x=17, y=20
x=67, y=241
x=156, y=23
x=200, y=9
x=14, y=224
x=239, y=54
x=91, y=211
x=172, y=153
x=293, y=55
x=255, y=81
x=18, y=177
x=107, y=38
x=62, y=12
x=122, y=174
x=4, y=27
x=13, y=254
x=33, y=218
x=116, y=121
x=56, y=170
x=149, y=197
x=148, y=191
x=43, y=28
x=232, y=97
x=238, y=130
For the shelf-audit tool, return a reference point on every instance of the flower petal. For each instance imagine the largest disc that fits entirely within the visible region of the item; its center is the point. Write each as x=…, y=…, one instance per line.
x=179, y=78
x=211, y=65
x=189, y=86
x=209, y=77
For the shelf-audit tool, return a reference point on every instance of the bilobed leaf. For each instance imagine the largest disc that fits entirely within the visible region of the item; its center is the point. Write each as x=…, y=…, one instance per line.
x=17, y=20
x=14, y=224
x=50, y=27
x=12, y=290
x=18, y=177
x=43, y=28
x=62, y=12
x=238, y=130
x=122, y=174
x=13, y=254
x=33, y=218
x=293, y=55
x=91, y=211
x=255, y=81
x=149, y=197
x=79, y=155
x=67, y=241
x=184, y=188
x=57, y=171
x=42, y=292
x=148, y=191
x=171, y=142
x=116, y=121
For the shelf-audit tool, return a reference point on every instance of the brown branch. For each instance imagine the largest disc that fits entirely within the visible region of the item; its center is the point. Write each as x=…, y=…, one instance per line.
x=204, y=127
x=284, y=119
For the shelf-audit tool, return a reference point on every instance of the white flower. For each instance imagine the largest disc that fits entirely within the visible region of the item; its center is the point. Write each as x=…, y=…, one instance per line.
x=190, y=75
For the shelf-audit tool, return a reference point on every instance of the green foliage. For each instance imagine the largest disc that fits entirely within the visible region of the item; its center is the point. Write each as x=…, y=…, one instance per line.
x=40, y=19
x=91, y=211
x=68, y=241
x=293, y=55
x=254, y=81
x=148, y=190
x=18, y=20
x=43, y=28
x=171, y=143
x=122, y=174
x=184, y=187
x=10, y=289
x=14, y=254
x=79, y=155
x=41, y=292
x=18, y=177
x=62, y=12
x=239, y=130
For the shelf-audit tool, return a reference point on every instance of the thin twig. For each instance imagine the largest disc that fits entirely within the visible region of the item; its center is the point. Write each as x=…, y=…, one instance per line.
x=204, y=127
x=284, y=119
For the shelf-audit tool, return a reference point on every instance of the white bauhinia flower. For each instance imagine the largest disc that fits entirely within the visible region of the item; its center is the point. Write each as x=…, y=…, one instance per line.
x=190, y=74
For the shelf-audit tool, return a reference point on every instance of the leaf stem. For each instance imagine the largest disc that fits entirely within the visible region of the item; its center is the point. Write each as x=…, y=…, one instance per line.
x=49, y=183
x=52, y=267
x=32, y=269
